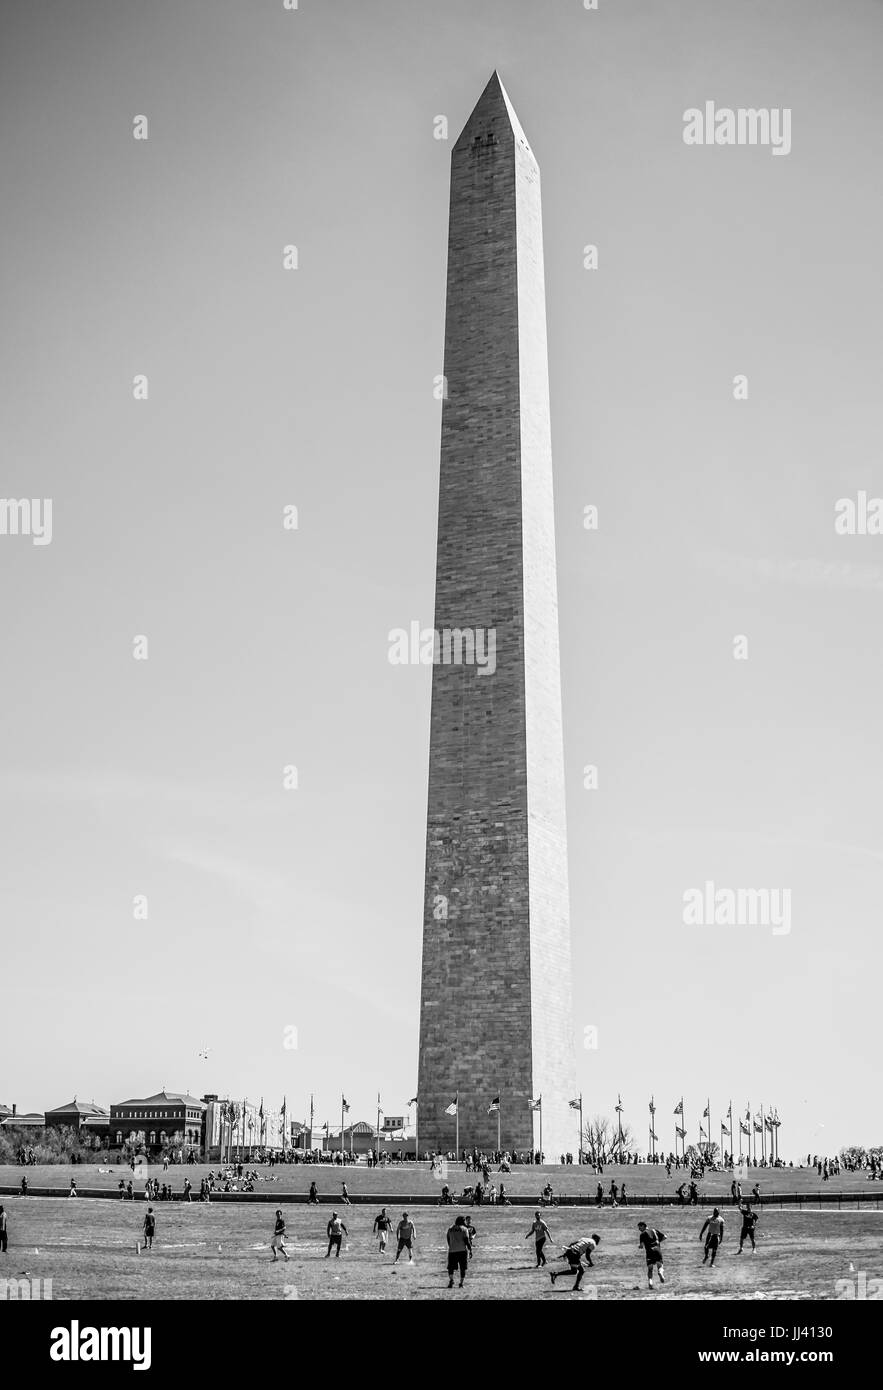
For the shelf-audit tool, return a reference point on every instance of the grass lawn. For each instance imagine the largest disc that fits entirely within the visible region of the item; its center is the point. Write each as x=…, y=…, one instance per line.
x=221, y=1251
x=415, y=1182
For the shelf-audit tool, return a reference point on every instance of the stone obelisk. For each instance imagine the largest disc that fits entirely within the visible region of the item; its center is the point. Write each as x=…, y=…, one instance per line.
x=496, y=1012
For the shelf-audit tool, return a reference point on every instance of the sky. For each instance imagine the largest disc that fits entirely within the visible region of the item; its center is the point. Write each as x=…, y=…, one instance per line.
x=273, y=909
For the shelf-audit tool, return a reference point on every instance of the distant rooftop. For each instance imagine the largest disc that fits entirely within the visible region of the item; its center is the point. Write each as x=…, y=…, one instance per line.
x=77, y=1107
x=165, y=1098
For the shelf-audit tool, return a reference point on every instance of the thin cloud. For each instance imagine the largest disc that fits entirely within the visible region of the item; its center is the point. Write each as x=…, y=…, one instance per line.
x=804, y=574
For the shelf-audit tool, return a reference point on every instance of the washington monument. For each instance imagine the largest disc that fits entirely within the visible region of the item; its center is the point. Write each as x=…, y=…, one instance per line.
x=496, y=1013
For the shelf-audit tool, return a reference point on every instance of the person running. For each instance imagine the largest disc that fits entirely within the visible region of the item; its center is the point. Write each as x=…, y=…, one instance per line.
x=651, y=1239
x=459, y=1250
x=187, y=1189
x=573, y=1254
x=749, y=1221
x=4, y=1234
x=314, y=1194
x=405, y=1233
x=336, y=1232
x=149, y=1229
x=599, y=1196
x=73, y=1191
x=680, y=1194
x=382, y=1228
x=345, y=1196
x=23, y=1190
x=694, y=1195
x=541, y=1233
x=714, y=1225
x=278, y=1241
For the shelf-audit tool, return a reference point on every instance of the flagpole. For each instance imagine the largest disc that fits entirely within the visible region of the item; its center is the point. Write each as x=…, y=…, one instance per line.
x=708, y=1136
x=457, y=1131
x=311, y=1120
x=541, y=1126
x=416, y=1129
x=377, y=1139
x=580, y=1154
x=499, y=1122
x=762, y=1135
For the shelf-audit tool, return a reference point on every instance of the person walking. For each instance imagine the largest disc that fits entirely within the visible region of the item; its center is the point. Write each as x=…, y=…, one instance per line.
x=541, y=1233
x=382, y=1228
x=405, y=1233
x=459, y=1249
x=651, y=1239
x=749, y=1222
x=336, y=1231
x=278, y=1241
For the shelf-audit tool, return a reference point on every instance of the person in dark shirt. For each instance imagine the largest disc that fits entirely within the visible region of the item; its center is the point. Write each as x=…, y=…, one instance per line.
x=573, y=1254
x=314, y=1193
x=749, y=1221
x=651, y=1239
x=382, y=1228
x=4, y=1235
x=405, y=1233
x=459, y=1249
x=149, y=1229
x=278, y=1241
x=714, y=1225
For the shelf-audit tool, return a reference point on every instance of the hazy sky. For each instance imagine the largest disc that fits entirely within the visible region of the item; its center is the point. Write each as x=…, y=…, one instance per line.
x=271, y=908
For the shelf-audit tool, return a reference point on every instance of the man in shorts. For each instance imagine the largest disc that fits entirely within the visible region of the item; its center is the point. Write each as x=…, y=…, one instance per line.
x=573, y=1254
x=651, y=1239
x=382, y=1227
x=714, y=1225
x=459, y=1250
x=278, y=1241
x=336, y=1232
x=749, y=1221
x=405, y=1233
